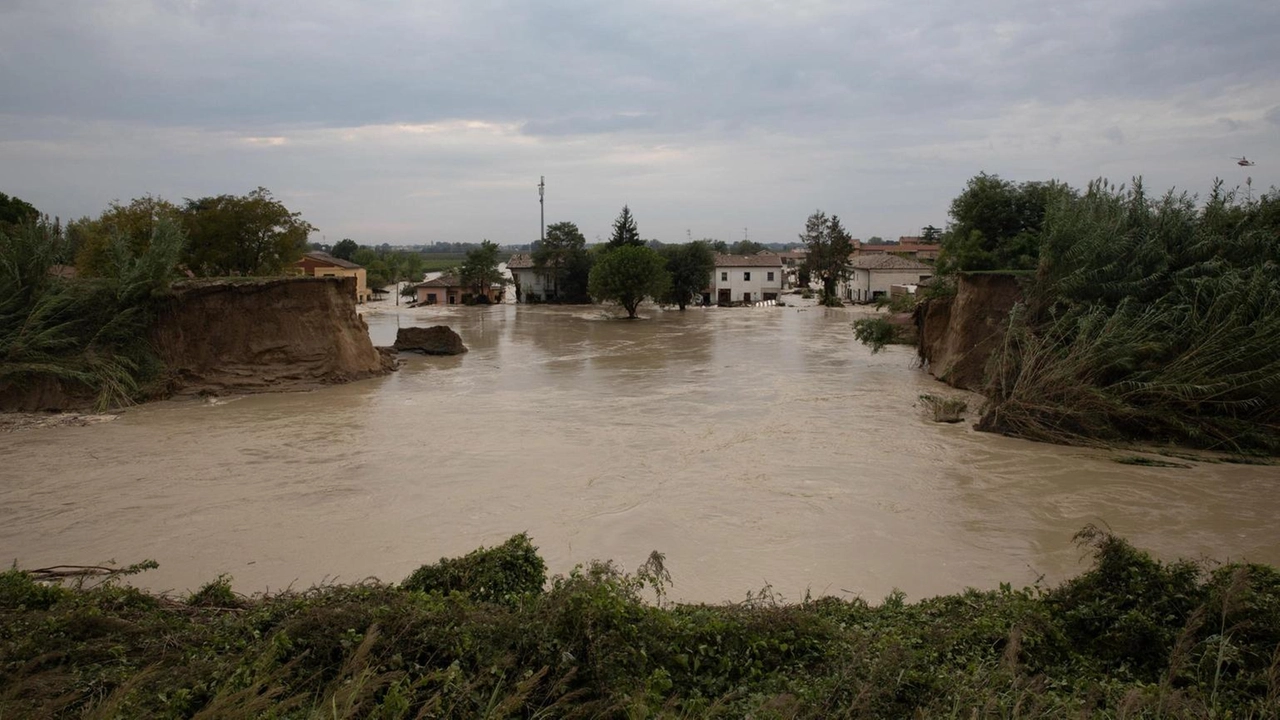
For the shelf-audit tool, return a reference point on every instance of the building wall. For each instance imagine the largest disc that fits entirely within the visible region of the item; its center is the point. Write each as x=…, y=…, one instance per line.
x=442, y=295
x=865, y=284
x=532, y=283
x=362, y=291
x=738, y=285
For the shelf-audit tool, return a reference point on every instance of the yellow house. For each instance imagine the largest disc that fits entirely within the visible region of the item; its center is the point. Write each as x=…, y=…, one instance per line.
x=322, y=264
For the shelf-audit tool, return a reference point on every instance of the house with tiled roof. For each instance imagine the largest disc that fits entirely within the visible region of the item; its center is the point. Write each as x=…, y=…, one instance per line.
x=449, y=290
x=745, y=279
x=322, y=264
x=873, y=274
x=532, y=284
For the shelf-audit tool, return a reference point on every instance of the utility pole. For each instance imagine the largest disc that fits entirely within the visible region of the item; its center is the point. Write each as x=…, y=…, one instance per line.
x=542, y=207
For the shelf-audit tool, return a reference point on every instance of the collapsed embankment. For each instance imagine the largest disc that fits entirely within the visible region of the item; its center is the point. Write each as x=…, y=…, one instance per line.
x=237, y=336
x=226, y=336
x=958, y=334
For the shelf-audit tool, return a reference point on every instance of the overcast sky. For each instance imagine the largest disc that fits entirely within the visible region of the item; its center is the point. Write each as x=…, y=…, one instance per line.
x=411, y=122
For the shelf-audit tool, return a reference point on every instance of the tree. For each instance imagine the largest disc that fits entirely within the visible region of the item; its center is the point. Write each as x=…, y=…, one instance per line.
x=555, y=255
x=15, y=211
x=931, y=235
x=345, y=248
x=828, y=248
x=996, y=224
x=627, y=275
x=746, y=247
x=690, y=267
x=480, y=271
x=134, y=224
x=250, y=235
x=624, y=230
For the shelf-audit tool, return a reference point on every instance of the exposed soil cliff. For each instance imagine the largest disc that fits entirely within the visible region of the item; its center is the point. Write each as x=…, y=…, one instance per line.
x=958, y=334
x=253, y=336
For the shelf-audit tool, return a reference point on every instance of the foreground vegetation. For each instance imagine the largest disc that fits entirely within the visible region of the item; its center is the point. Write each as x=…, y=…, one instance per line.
x=486, y=636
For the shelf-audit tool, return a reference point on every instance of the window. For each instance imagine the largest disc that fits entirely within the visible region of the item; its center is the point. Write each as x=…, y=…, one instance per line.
x=724, y=277
x=770, y=278
x=746, y=276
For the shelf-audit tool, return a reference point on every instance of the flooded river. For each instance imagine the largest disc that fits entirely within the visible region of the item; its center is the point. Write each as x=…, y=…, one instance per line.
x=752, y=446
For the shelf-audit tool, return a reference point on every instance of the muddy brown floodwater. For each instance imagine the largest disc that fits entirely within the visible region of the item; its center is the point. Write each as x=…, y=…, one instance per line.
x=752, y=446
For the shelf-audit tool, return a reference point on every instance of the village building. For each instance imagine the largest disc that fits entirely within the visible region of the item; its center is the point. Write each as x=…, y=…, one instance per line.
x=745, y=278
x=873, y=275
x=905, y=246
x=532, y=284
x=449, y=290
x=322, y=264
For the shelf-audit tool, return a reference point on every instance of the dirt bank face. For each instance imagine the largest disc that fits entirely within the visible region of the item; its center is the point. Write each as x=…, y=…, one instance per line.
x=958, y=335
x=266, y=335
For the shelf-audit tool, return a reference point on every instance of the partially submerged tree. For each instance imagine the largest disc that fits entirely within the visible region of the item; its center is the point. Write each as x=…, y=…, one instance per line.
x=559, y=256
x=828, y=247
x=479, y=271
x=690, y=267
x=627, y=275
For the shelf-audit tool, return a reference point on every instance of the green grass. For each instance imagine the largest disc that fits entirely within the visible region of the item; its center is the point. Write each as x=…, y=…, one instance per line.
x=1130, y=637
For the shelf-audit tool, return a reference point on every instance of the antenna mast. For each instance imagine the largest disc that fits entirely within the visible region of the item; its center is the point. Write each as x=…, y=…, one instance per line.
x=542, y=207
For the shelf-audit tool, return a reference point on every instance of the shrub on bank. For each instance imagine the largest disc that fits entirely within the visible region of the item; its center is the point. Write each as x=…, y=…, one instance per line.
x=1130, y=637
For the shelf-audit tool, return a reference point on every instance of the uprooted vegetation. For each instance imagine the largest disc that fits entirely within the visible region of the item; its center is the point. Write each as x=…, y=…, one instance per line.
x=1148, y=319
x=1131, y=637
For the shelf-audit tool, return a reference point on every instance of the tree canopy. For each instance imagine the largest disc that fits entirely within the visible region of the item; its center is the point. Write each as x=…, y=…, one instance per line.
x=627, y=275
x=134, y=224
x=563, y=257
x=690, y=267
x=480, y=270
x=344, y=248
x=995, y=224
x=254, y=234
x=828, y=247
x=16, y=211
x=625, y=231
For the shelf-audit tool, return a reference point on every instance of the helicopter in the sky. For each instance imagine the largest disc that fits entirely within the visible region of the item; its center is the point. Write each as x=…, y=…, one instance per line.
x=1244, y=161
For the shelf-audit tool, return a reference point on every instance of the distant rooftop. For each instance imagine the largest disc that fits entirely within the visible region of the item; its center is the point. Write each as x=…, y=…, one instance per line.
x=325, y=257
x=887, y=261
x=770, y=261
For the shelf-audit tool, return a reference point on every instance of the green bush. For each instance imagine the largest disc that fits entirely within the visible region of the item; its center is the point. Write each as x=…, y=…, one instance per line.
x=875, y=333
x=503, y=574
x=1130, y=637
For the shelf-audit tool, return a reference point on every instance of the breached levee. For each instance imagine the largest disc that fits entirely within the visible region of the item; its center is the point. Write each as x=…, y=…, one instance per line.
x=958, y=334
x=228, y=336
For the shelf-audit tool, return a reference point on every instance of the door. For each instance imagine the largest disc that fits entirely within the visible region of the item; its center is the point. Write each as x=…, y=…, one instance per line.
x=746, y=297
x=723, y=297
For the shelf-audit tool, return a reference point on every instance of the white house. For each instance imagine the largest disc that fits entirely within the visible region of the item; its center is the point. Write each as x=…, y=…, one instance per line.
x=873, y=274
x=745, y=278
x=532, y=284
